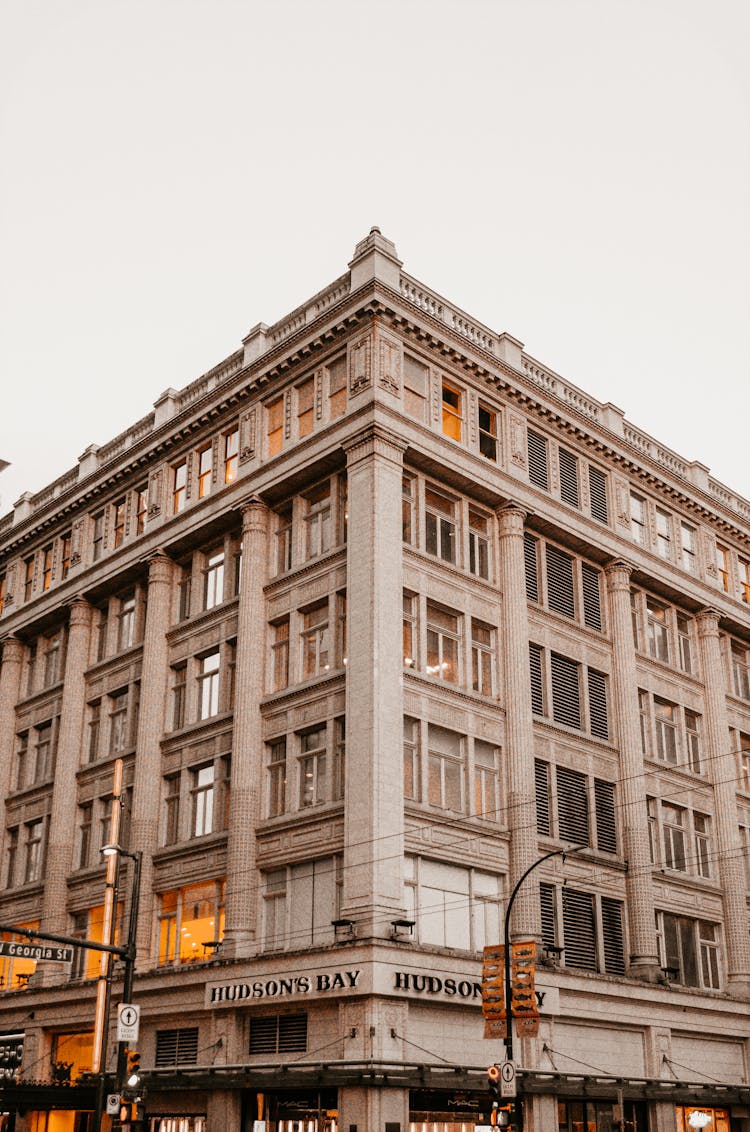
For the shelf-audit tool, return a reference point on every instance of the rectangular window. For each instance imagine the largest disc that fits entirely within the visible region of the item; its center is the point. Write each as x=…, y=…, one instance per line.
x=452, y=412
x=740, y=671
x=665, y=718
x=442, y=643
x=690, y=948
x=722, y=565
x=486, y=771
x=44, y=752
x=179, y=486
x=280, y=654
x=538, y=459
x=482, y=657
x=338, y=782
x=119, y=513
x=94, y=727
x=65, y=552
x=416, y=384
x=231, y=454
x=452, y=906
x=408, y=509
x=22, y=759
x=213, y=578
x=276, y=765
x=569, y=478
x=743, y=566
x=34, y=848
x=688, y=548
x=598, y=495
x=663, y=534
x=284, y=540
x=126, y=618
x=118, y=722
x=412, y=776
x=479, y=544
x=172, y=809
x=409, y=630
x=487, y=421
x=12, y=857
x=337, y=387
x=28, y=581
x=3, y=584
x=275, y=425
x=744, y=763
x=141, y=510
x=693, y=738
x=638, y=519
x=190, y=922
x=205, y=470
x=179, y=695
x=702, y=835
x=46, y=567
x=305, y=407
x=315, y=641
x=440, y=525
x=673, y=831
x=685, y=654
x=318, y=525
x=658, y=633
x=85, y=817
x=444, y=769
x=313, y=772
x=203, y=801
x=208, y=683
x=53, y=659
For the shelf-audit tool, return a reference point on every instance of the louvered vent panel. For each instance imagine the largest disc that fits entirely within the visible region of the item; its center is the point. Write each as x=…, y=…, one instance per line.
x=566, y=693
x=569, y=478
x=592, y=599
x=264, y=1034
x=537, y=449
x=606, y=830
x=598, y=715
x=177, y=1047
x=613, y=945
x=579, y=927
x=547, y=906
x=535, y=672
x=292, y=1033
x=572, y=806
x=560, y=589
x=598, y=493
x=541, y=776
x=530, y=545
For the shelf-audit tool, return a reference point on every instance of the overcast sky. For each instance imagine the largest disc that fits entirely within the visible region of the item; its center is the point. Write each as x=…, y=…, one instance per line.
x=576, y=172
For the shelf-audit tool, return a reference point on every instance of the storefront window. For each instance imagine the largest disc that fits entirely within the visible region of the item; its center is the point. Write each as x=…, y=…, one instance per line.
x=15, y=971
x=702, y=1119
x=599, y=1116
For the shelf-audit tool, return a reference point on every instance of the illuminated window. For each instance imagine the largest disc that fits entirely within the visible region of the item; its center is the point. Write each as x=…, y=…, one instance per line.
x=275, y=425
x=452, y=411
x=231, y=454
x=15, y=972
x=28, y=580
x=744, y=572
x=65, y=544
x=205, y=469
x=191, y=922
x=119, y=511
x=179, y=486
x=89, y=925
x=75, y=1050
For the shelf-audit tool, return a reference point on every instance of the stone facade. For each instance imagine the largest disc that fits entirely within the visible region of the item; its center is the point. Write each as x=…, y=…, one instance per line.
x=376, y=618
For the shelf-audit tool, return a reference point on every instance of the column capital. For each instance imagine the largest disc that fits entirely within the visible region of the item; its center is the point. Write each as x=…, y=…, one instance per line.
x=12, y=649
x=79, y=612
x=618, y=573
x=511, y=516
x=374, y=440
x=254, y=515
x=159, y=568
x=707, y=621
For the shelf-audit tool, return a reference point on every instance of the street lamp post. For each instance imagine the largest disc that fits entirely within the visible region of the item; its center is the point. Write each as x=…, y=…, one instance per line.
x=506, y=939
x=129, y=956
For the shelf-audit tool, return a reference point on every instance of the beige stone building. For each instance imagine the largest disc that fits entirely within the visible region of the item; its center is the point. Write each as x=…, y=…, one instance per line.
x=375, y=615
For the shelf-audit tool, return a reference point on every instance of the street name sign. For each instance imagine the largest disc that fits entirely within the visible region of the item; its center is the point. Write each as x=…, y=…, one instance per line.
x=36, y=951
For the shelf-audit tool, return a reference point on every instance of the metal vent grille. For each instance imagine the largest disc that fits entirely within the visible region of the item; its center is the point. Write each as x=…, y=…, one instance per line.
x=613, y=946
x=537, y=450
x=569, y=478
x=560, y=587
x=592, y=601
x=541, y=777
x=530, y=548
x=598, y=493
x=598, y=717
x=566, y=692
x=279, y=1033
x=579, y=927
x=572, y=806
x=606, y=830
x=535, y=671
x=547, y=906
x=176, y=1047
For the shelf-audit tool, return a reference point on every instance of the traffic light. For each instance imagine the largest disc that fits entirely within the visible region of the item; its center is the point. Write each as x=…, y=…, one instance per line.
x=133, y=1076
x=126, y=1112
x=493, y=1081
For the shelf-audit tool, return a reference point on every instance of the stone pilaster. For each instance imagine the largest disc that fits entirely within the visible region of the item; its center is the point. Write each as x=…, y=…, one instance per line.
x=644, y=956
x=144, y=827
x=519, y=725
x=10, y=689
x=243, y=901
x=720, y=763
x=374, y=807
x=62, y=819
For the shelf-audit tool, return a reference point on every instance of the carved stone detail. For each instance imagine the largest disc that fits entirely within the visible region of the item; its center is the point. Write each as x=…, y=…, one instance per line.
x=517, y=440
x=390, y=365
x=360, y=366
x=247, y=436
x=154, y=494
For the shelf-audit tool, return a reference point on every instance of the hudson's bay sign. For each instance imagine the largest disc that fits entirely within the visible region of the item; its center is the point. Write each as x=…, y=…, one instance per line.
x=370, y=979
